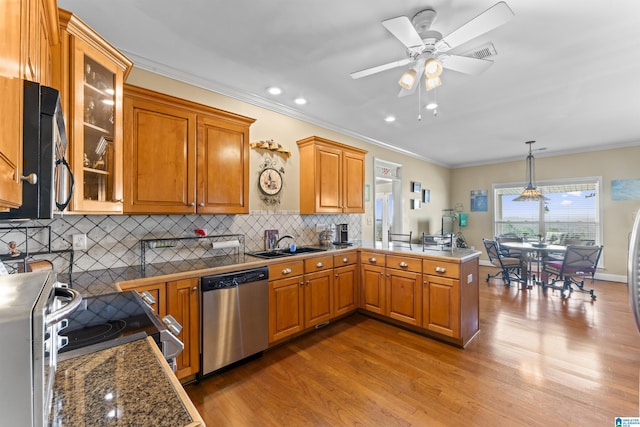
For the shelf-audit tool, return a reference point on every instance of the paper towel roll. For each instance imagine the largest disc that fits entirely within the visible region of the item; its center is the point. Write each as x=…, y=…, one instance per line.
x=226, y=244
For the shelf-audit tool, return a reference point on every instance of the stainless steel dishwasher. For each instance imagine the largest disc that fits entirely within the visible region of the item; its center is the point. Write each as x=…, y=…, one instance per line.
x=235, y=317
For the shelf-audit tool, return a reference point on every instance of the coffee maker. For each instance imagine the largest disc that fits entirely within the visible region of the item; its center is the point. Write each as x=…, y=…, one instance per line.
x=342, y=234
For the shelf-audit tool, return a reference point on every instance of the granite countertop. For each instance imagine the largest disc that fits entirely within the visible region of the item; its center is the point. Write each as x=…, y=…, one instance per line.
x=126, y=385
x=98, y=282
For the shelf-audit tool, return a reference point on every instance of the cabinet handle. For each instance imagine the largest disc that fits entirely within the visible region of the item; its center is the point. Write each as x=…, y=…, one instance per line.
x=372, y=260
x=345, y=259
x=301, y=283
x=195, y=288
x=440, y=270
x=286, y=271
x=201, y=204
x=118, y=200
x=32, y=178
x=336, y=276
x=320, y=265
x=403, y=264
x=192, y=204
x=308, y=282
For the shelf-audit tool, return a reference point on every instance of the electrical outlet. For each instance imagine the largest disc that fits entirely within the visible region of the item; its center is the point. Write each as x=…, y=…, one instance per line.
x=79, y=242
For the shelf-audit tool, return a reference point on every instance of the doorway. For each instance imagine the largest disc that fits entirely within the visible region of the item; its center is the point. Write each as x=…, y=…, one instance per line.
x=388, y=200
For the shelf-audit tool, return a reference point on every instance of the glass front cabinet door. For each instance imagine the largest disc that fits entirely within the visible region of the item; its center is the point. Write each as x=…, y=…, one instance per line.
x=96, y=77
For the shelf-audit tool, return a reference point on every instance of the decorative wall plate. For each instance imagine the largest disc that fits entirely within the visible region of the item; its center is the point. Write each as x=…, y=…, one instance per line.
x=270, y=181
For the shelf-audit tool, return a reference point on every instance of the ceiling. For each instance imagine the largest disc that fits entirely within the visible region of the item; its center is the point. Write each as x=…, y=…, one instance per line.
x=566, y=73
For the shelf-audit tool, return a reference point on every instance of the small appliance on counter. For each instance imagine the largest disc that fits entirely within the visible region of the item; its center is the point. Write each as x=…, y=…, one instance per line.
x=32, y=319
x=342, y=234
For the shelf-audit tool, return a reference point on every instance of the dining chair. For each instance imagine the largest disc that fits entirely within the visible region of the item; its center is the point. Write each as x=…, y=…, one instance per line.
x=508, y=252
x=400, y=239
x=578, y=261
x=510, y=267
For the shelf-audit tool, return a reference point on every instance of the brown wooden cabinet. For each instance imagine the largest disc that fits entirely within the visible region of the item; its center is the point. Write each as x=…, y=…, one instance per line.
x=403, y=289
x=318, y=290
x=286, y=299
x=372, y=295
x=183, y=304
x=90, y=74
x=331, y=177
x=440, y=305
x=345, y=283
x=180, y=299
x=182, y=157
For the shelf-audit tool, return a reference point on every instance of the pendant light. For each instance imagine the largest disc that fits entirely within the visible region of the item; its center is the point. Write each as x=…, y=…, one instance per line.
x=530, y=193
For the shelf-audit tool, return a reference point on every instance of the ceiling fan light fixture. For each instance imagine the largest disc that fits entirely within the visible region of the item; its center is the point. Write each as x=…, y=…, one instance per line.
x=432, y=83
x=408, y=79
x=432, y=68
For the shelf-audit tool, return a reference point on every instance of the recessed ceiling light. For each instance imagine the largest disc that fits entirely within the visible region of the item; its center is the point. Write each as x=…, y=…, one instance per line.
x=432, y=105
x=274, y=90
x=390, y=119
x=300, y=101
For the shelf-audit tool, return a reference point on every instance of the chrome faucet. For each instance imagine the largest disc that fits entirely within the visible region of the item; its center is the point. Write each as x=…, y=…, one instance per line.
x=286, y=236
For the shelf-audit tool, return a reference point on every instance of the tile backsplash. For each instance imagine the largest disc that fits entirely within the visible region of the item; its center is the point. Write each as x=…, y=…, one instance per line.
x=114, y=240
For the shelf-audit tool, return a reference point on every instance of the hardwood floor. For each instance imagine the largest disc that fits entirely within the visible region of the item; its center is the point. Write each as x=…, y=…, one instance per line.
x=538, y=361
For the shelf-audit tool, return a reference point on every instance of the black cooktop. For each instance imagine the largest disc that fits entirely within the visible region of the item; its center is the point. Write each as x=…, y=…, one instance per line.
x=109, y=317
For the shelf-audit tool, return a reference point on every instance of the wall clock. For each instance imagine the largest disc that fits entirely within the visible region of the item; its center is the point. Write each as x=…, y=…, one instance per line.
x=270, y=181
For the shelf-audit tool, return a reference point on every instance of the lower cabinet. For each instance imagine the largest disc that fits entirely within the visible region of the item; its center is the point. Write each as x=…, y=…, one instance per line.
x=183, y=305
x=403, y=289
x=180, y=299
x=286, y=305
x=440, y=305
x=372, y=295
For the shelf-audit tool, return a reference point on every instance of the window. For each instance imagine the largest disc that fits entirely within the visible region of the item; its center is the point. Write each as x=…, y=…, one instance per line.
x=571, y=215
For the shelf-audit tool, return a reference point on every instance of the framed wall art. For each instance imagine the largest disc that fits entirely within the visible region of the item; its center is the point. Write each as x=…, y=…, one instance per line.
x=416, y=187
x=426, y=196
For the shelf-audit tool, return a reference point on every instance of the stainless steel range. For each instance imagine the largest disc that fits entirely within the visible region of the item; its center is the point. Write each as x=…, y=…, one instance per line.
x=106, y=320
x=32, y=320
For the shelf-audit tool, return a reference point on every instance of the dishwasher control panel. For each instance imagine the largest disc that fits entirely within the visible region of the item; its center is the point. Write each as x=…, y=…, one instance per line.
x=235, y=278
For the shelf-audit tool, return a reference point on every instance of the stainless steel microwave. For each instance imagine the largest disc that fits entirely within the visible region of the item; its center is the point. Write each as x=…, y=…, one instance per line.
x=47, y=179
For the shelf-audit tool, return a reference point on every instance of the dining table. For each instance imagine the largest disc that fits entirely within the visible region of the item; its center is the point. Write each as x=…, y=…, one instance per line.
x=533, y=252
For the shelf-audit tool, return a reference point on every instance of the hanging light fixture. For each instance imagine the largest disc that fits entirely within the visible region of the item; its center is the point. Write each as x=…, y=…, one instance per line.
x=530, y=193
x=408, y=79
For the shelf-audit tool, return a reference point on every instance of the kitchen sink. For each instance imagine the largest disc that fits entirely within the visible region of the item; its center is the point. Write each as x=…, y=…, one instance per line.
x=280, y=253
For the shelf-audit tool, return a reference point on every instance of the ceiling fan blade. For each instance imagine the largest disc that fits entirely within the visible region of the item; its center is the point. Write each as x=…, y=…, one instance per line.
x=465, y=64
x=495, y=16
x=379, y=68
x=419, y=67
x=402, y=28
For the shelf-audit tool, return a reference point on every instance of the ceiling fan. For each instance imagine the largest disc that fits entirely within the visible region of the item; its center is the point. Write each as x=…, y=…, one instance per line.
x=426, y=48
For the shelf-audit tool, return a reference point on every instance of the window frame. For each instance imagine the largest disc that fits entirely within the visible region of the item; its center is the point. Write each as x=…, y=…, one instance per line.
x=597, y=180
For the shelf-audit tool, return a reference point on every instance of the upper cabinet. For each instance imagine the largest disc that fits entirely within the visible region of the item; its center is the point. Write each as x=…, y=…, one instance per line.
x=90, y=74
x=28, y=29
x=182, y=157
x=331, y=177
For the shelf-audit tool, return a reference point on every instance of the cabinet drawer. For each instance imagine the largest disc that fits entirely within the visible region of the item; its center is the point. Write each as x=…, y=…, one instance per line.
x=372, y=258
x=318, y=263
x=285, y=269
x=346, y=258
x=404, y=263
x=441, y=268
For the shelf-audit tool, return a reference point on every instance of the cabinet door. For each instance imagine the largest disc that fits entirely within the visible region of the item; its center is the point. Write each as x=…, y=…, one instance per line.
x=96, y=130
x=353, y=182
x=372, y=297
x=328, y=180
x=223, y=167
x=10, y=105
x=160, y=159
x=183, y=305
x=403, y=296
x=345, y=289
x=285, y=307
x=317, y=297
x=441, y=305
